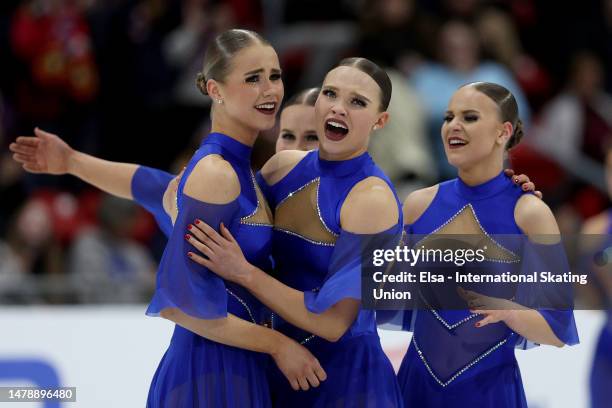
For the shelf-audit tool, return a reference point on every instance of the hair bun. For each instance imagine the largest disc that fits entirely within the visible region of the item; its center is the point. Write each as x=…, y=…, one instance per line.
x=201, y=83
x=516, y=136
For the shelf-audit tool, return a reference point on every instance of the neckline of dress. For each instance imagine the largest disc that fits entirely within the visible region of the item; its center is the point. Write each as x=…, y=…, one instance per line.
x=484, y=190
x=239, y=150
x=341, y=168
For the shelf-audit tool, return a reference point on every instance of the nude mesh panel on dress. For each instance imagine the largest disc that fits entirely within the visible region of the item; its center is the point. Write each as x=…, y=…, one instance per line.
x=466, y=224
x=263, y=214
x=299, y=214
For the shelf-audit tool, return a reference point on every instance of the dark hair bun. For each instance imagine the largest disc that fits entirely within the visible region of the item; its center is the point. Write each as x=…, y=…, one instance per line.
x=516, y=136
x=201, y=83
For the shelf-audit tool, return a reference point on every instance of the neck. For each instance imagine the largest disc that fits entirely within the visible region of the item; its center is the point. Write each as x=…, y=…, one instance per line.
x=232, y=128
x=340, y=156
x=480, y=173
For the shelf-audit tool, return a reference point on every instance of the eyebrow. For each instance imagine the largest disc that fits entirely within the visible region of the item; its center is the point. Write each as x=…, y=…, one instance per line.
x=352, y=92
x=465, y=111
x=309, y=131
x=260, y=70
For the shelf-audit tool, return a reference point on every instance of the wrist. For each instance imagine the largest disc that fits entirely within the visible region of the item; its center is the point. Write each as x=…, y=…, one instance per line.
x=510, y=313
x=247, y=277
x=278, y=341
x=72, y=161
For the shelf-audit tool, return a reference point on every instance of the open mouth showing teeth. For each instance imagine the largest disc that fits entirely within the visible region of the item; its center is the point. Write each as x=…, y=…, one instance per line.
x=267, y=108
x=456, y=142
x=335, y=129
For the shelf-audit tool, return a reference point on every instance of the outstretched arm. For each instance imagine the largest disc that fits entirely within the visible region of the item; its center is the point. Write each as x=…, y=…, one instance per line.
x=47, y=153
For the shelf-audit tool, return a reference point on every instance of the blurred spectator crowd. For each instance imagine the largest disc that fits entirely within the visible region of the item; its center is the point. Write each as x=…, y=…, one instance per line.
x=116, y=79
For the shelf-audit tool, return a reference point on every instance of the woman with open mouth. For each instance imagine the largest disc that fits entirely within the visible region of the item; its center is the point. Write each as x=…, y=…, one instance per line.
x=216, y=357
x=466, y=357
x=326, y=202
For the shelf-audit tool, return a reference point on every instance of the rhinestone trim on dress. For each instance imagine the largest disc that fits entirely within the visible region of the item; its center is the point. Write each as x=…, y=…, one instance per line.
x=461, y=371
x=517, y=259
x=441, y=319
x=243, y=220
x=248, y=309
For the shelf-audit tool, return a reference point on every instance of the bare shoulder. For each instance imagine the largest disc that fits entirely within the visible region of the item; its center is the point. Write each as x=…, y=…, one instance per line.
x=597, y=224
x=535, y=218
x=370, y=207
x=279, y=165
x=417, y=202
x=213, y=180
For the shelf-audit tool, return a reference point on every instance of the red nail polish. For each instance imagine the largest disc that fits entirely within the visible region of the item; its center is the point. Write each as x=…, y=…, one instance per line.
x=189, y=254
x=189, y=227
x=187, y=237
x=197, y=222
x=477, y=325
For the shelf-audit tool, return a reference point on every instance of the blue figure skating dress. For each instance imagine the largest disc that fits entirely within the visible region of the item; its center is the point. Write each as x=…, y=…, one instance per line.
x=314, y=255
x=197, y=372
x=450, y=362
x=601, y=371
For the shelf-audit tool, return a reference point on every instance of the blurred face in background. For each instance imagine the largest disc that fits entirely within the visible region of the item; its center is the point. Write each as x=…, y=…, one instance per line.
x=459, y=46
x=33, y=225
x=297, y=129
x=347, y=111
x=587, y=75
x=472, y=131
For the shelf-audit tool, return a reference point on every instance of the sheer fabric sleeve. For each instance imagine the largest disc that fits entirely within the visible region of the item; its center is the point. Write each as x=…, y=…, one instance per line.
x=182, y=283
x=554, y=301
x=148, y=188
x=351, y=253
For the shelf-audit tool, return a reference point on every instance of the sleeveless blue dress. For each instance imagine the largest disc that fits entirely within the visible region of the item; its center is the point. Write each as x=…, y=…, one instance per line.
x=601, y=371
x=450, y=362
x=194, y=371
x=314, y=255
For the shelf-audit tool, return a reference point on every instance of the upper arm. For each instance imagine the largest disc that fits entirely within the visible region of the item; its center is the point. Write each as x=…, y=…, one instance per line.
x=536, y=220
x=369, y=208
x=594, y=229
x=417, y=202
x=279, y=165
x=213, y=180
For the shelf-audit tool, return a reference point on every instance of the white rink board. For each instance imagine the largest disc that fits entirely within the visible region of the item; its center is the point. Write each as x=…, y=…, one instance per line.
x=110, y=353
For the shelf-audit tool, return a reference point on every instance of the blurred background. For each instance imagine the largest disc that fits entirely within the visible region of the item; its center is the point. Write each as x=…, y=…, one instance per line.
x=116, y=79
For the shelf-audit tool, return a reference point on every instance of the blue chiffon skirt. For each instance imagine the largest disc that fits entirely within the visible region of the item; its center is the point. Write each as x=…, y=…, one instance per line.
x=493, y=383
x=359, y=374
x=196, y=372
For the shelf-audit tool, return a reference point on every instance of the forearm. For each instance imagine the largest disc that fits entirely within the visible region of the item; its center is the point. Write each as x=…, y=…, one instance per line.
x=112, y=177
x=231, y=331
x=289, y=304
x=531, y=325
